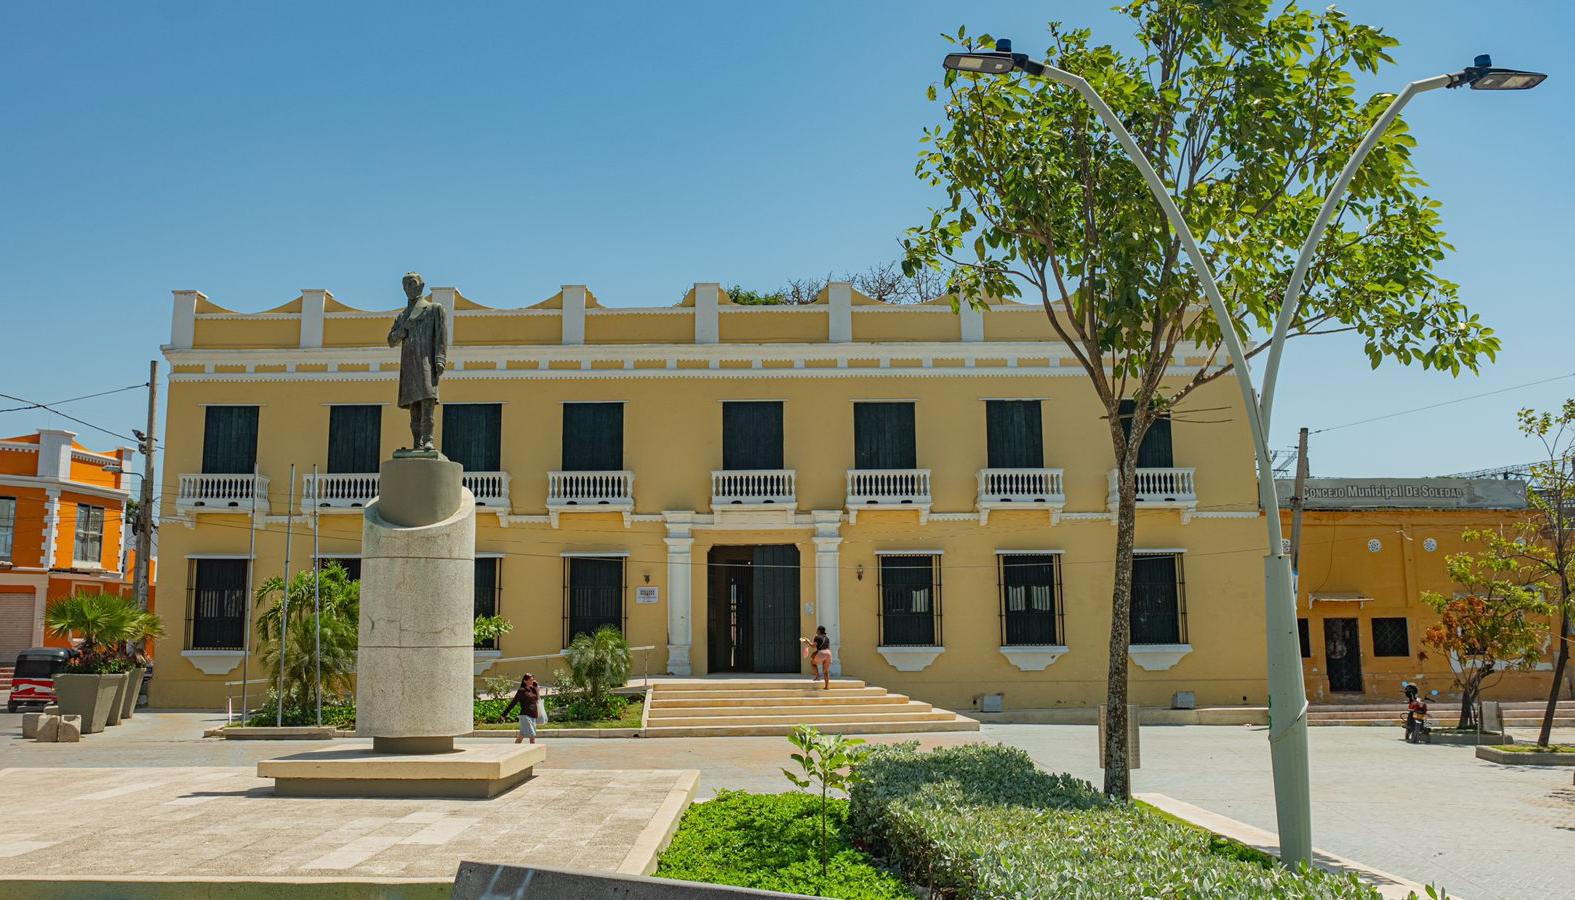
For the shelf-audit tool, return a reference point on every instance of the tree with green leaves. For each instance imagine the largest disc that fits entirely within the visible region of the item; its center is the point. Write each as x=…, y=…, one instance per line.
x=1248, y=113
x=829, y=762
x=1545, y=541
x=102, y=623
x=340, y=597
x=1497, y=623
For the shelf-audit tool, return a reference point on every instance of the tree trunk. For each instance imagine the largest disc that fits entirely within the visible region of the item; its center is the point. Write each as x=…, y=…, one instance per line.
x=1118, y=778
x=1562, y=659
x=1468, y=706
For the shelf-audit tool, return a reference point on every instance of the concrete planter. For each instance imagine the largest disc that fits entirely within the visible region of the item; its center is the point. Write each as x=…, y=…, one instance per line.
x=1468, y=738
x=118, y=705
x=133, y=688
x=88, y=696
x=1511, y=758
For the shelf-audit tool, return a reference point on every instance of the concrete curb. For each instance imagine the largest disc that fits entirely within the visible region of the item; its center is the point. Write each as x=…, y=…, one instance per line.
x=1532, y=758
x=560, y=732
x=221, y=887
x=641, y=859
x=1386, y=884
x=1209, y=715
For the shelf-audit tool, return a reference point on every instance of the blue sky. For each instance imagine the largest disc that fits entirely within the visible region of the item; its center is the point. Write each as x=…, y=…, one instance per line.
x=249, y=151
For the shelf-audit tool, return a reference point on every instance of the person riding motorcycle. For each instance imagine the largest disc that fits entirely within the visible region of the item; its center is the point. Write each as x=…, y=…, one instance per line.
x=1416, y=729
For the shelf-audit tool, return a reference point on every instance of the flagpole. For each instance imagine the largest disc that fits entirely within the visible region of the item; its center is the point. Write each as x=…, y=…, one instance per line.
x=317, y=590
x=284, y=609
x=246, y=634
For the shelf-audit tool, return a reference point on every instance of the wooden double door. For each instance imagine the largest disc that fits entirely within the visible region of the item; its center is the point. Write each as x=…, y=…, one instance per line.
x=752, y=623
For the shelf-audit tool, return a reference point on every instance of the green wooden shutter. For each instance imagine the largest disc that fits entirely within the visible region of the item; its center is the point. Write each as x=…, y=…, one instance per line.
x=1156, y=610
x=229, y=440
x=473, y=435
x=775, y=617
x=1155, y=451
x=592, y=437
x=1028, y=598
x=355, y=438
x=883, y=436
x=1015, y=433
x=595, y=594
x=752, y=435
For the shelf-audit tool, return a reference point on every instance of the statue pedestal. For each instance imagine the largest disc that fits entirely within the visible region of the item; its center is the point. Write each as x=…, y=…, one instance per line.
x=415, y=661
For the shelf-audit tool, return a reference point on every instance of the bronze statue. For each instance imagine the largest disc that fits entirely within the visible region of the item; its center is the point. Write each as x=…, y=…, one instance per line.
x=422, y=335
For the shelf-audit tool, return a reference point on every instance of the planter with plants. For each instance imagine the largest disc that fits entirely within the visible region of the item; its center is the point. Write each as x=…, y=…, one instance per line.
x=110, y=631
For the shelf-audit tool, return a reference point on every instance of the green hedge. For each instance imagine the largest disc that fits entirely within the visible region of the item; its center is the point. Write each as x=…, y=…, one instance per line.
x=768, y=842
x=983, y=821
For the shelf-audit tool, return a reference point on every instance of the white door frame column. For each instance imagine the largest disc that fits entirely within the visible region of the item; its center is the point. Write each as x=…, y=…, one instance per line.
x=680, y=561
x=828, y=580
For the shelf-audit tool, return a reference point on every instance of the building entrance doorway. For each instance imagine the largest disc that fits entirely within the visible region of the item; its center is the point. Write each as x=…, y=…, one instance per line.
x=1343, y=652
x=752, y=623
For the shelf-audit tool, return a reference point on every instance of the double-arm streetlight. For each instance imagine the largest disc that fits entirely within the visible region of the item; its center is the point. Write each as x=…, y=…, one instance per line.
x=1287, y=693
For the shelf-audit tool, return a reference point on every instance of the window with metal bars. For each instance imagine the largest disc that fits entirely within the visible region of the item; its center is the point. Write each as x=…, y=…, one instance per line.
x=910, y=600
x=1391, y=637
x=1030, y=589
x=216, y=604
x=1305, y=636
x=1159, y=605
x=7, y=526
x=89, y=546
x=593, y=591
x=488, y=591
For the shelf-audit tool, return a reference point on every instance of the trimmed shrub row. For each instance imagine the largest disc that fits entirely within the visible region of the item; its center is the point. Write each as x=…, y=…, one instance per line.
x=984, y=821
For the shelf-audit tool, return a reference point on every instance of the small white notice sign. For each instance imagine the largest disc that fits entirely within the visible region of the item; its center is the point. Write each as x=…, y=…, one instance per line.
x=647, y=594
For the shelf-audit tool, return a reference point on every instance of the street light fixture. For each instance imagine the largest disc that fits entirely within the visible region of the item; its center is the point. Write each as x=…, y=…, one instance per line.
x=1287, y=692
x=1482, y=76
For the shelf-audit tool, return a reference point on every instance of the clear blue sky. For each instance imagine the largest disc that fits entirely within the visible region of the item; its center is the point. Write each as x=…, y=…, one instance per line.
x=252, y=150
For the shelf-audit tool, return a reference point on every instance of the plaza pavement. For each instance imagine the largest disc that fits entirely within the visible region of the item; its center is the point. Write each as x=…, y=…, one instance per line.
x=1429, y=813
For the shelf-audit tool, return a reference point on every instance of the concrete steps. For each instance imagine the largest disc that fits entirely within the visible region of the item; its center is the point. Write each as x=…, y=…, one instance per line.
x=6, y=674
x=1517, y=714
x=766, y=707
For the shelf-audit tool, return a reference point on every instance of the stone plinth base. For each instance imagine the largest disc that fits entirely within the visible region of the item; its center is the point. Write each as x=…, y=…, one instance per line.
x=471, y=773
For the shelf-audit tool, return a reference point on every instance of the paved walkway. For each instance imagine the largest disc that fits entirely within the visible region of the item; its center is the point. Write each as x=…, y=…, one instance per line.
x=1427, y=813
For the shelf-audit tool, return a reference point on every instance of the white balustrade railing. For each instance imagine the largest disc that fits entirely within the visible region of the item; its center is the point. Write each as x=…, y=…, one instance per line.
x=590, y=488
x=1021, y=486
x=888, y=486
x=489, y=488
x=748, y=486
x=222, y=492
x=1169, y=486
x=338, y=490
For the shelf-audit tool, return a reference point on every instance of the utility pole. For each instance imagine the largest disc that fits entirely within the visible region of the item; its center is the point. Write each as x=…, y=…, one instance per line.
x=1298, y=503
x=139, y=578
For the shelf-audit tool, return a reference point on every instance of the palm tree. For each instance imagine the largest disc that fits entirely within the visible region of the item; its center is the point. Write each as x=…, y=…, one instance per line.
x=99, y=620
x=341, y=613
x=599, y=662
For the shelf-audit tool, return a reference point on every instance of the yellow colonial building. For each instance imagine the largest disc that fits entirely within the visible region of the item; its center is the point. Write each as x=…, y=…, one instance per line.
x=934, y=487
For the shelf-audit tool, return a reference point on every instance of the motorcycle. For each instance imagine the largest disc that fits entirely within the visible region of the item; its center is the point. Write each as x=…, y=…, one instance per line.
x=1416, y=729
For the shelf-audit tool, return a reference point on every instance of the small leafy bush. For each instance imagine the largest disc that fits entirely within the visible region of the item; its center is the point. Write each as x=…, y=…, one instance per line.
x=983, y=821
x=490, y=711
x=771, y=842
x=570, y=705
x=338, y=712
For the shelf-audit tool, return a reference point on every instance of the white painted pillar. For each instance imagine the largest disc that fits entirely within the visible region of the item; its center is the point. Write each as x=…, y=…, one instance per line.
x=54, y=453
x=314, y=304
x=446, y=298
x=708, y=295
x=679, y=634
x=828, y=580
x=573, y=314
x=183, y=320
x=51, y=526
x=839, y=295
x=970, y=321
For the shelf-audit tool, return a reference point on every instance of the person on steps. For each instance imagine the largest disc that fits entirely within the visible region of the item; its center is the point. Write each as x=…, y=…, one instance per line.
x=818, y=649
x=527, y=698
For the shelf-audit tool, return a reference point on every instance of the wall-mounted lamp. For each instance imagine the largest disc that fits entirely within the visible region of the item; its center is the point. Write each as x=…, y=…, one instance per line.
x=647, y=577
x=859, y=573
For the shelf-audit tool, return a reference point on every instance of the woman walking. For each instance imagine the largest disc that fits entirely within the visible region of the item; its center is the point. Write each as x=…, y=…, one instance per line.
x=528, y=699
x=819, y=650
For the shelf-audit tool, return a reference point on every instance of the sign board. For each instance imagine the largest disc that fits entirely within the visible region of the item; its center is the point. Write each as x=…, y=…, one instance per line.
x=647, y=594
x=1406, y=493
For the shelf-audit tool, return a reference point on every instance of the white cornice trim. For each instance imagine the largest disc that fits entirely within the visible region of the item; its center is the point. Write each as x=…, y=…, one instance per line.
x=57, y=485
x=248, y=317
x=1228, y=514
x=18, y=447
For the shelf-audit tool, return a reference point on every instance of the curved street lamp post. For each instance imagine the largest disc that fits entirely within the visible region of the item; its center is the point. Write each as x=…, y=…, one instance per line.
x=1287, y=692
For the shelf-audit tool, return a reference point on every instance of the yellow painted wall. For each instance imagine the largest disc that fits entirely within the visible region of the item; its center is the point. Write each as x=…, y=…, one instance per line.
x=772, y=327
x=1336, y=559
x=249, y=333
x=507, y=329
x=634, y=328
x=882, y=323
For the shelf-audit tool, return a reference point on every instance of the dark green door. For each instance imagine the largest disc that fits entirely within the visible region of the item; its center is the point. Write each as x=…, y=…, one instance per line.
x=752, y=622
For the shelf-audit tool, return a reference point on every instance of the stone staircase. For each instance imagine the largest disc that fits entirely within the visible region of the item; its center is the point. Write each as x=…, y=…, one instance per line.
x=6, y=673
x=1517, y=714
x=722, y=707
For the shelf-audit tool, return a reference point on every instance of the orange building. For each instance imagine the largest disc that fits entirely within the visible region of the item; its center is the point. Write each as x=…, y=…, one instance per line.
x=63, y=531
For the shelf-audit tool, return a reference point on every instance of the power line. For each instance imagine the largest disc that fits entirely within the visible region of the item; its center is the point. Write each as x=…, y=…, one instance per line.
x=131, y=387
x=45, y=406
x=1406, y=412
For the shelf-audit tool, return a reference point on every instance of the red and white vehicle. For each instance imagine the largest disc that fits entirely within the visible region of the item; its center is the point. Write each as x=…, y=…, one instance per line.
x=33, y=682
